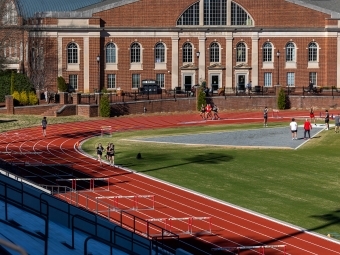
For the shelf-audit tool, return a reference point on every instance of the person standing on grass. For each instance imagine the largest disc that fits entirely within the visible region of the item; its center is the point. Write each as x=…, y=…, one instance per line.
x=265, y=116
x=307, y=127
x=100, y=151
x=293, y=129
x=112, y=153
x=327, y=120
x=337, y=123
x=312, y=116
x=44, y=126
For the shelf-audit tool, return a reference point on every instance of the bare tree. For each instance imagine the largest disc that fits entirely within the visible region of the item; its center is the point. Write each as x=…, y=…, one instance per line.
x=11, y=31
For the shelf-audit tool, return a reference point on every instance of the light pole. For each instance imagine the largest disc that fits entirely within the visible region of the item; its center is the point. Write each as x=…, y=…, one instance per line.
x=278, y=67
x=98, y=61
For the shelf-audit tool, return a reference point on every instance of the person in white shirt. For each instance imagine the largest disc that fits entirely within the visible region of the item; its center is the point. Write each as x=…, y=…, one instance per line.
x=293, y=128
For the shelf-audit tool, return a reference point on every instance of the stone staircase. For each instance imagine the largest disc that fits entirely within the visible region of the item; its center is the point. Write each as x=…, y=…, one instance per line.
x=52, y=111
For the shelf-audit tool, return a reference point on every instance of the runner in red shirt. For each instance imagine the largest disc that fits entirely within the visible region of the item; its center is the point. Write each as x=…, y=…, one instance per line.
x=208, y=111
x=307, y=127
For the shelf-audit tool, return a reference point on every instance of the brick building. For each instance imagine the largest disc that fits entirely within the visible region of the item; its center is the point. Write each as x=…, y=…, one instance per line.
x=96, y=44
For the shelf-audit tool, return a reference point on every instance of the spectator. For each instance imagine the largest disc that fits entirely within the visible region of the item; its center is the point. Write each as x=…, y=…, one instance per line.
x=307, y=127
x=293, y=129
x=337, y=123
x=265, y=116
x=327, y=120
x=310, y=86
x=249, y=87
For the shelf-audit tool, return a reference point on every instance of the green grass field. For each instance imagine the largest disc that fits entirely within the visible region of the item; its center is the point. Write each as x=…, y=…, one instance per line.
x=301, y=186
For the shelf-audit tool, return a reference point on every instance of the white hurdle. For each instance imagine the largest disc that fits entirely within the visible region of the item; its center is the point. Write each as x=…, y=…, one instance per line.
x=261, y=248
x=135, y=199
x=276, y=112
x=168, y=223
x=107, y=129
x=74, y=182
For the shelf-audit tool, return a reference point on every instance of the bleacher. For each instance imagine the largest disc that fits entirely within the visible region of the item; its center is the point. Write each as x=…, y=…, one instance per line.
x=48, y=225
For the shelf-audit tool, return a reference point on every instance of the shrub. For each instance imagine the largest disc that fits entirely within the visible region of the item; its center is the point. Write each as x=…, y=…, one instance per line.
x=104, y=106
x=23, y=98
x=16, y=98
x=62, y=86
x=200, y=98
x=20, y=83
x=281, y=100
x=32, y=98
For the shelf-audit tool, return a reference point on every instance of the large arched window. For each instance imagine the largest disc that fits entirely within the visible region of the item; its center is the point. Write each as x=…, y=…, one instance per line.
x=72, y=53
x=290, y=52
x=159, y=53
x=215, y=12
x=187, y=52
x=215, y=52
x=110, y=53
x=267, y=52
x=239, y=17
x=135, y=53
x=190, y=17
x=241, y=52
x=312, y=52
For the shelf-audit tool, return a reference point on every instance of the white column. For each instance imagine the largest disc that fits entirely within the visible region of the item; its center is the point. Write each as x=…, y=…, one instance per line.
x=338, y=63
x=255, y=59
x=86, y=53
x=229, y=61
x=60, y=56
x=201, y=60
x=174, y=67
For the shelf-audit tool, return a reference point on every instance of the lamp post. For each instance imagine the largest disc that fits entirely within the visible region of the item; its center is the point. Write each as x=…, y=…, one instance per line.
x=198, y=54
x=278, y=67
x=98, y=60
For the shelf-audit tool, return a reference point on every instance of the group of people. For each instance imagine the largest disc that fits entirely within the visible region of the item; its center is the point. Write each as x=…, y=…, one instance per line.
x=110, y=153
x=209, y=112
x=307, y=126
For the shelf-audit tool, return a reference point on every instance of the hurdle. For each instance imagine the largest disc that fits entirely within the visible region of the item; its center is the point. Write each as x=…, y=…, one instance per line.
x=106, y=129
x=74, y=182
x=168, y=223
x=276, y=112
x=260, y=248
x=135, y=199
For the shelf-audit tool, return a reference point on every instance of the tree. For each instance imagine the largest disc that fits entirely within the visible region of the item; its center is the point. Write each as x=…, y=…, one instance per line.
x=11, y=31
x=62, y=86
x=281, y=100
x=104, y=106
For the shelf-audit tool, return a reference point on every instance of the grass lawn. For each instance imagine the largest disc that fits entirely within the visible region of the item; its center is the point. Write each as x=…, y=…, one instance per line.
x=301, y=186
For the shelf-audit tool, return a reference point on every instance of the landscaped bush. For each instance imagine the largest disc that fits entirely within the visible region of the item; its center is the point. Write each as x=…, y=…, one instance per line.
x=281, y=100
x=201, y=99
x=23, y=98
x=20, y=83
x=32, y=98
x=16, y=98
x=62, y=86
x=105, y=108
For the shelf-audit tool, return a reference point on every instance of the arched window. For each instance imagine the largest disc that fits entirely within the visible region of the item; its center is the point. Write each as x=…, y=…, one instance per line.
x=159, y=53
x=215, y=52
x=215, y=12
x=187, y=52
x=312, y=52
x=190, y=16
x=267, y=52
x=72, y=53
x=290, y=52
x=135, y=53
x=110, y=53
x=239, y=17
x=241, y=52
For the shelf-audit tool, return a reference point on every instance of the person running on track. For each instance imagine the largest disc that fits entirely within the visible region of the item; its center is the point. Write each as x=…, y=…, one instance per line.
x=44, y=126
x=100, y=150
x=215, y=111
x=202, y=111
x=208, y=111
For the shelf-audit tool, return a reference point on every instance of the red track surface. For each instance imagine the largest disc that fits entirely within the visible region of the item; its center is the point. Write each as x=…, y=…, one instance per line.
x=230, y=226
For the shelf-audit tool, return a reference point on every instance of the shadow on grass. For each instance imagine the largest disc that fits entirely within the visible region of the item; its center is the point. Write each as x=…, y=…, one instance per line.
x=5, y=121
x=208, y=158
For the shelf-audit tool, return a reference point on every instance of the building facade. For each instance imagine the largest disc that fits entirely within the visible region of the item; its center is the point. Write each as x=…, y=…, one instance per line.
x=113, y=44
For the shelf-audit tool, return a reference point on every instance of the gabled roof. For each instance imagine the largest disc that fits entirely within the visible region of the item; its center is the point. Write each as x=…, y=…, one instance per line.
x=331, y=7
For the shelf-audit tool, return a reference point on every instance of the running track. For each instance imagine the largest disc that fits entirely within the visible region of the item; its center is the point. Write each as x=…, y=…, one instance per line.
x=231, y=226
